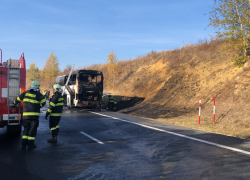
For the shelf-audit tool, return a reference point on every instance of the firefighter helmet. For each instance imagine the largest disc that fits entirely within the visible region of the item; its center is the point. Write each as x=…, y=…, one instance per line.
x=35, y=84
x=57, y=87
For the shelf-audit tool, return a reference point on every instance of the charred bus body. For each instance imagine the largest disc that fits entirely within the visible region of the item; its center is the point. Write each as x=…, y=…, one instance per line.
x=84, y=89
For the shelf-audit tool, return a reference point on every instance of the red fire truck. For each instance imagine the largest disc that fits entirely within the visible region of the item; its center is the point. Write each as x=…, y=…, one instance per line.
x=12, y=84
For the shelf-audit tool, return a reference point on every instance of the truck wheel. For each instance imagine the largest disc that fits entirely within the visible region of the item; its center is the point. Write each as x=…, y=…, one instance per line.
x=14, y=130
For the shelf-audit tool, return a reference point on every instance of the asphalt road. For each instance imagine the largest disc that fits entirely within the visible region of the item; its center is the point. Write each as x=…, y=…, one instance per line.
x=93, y=146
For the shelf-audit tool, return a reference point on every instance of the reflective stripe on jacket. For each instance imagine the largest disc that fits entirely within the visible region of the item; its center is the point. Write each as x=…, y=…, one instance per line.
x=56, y=106
x=32, y=102
x=111, y=99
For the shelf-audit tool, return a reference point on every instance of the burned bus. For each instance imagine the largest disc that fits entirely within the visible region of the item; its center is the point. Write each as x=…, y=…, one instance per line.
x=84, y=88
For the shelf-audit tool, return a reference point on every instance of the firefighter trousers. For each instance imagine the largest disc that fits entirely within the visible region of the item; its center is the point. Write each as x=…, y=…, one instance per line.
x=111, y=106
x=54, y=125
x=29, y=132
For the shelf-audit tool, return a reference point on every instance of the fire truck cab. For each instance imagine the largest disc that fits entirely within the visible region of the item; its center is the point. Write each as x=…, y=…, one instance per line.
x=12, y=84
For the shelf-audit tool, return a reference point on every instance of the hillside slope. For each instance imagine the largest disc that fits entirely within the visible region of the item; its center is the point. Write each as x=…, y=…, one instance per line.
x=173, y=81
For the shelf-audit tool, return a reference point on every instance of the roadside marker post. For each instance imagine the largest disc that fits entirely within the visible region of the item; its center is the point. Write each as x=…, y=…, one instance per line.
x=214, y=111
x=199, y=111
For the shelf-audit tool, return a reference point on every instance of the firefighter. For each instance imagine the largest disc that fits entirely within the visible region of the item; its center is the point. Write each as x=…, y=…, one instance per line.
x=45, y=94
x=111, y=103
x=33, y=100
x=55, y=111
x=48, y=93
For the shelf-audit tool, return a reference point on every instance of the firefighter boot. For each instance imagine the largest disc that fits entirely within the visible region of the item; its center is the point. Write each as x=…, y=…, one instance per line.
x=53, y=139
x=24, y=143
x=57, y=129
x=31, y=144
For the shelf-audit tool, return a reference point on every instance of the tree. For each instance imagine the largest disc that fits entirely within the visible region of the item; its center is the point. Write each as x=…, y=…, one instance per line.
x=231, y=19
x=67, y=68
x=33, y=72
x=113, y=67
x=51, y=68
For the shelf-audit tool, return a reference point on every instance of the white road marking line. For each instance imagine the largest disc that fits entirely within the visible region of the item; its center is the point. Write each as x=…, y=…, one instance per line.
x=181, y=135
x=100, y=142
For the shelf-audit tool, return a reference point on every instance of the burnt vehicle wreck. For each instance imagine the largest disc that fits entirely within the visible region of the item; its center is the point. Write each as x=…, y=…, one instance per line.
x=84, y=88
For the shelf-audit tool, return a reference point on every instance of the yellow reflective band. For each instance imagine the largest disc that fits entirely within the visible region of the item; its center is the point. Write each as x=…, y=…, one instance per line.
x=60, y=99
x=31, y=101
x=30, y=95
x=52, y=104
x=57, y=126
x=18, y=99
x=53, y=129
x=25, y=137
x=59, y=104
x=56, y=114
x=49, y=110
x=111, y=101
x=31, y=138
x=44, y=100
x=31, y=114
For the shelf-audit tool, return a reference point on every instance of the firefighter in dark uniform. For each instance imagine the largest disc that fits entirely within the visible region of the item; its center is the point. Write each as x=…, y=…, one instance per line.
x=55, y=112
x=33, y=100
x=47, y=94
x=111, y=103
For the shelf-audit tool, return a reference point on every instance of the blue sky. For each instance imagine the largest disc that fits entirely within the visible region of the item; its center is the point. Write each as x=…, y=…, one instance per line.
x=83, y=32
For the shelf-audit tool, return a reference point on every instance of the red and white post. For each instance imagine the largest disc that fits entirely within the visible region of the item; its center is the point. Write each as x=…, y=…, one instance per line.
x=199, y=111
x=214, y=111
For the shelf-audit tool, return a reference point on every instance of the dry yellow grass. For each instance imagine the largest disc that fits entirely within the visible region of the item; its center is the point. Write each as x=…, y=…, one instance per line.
x=173, y=81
